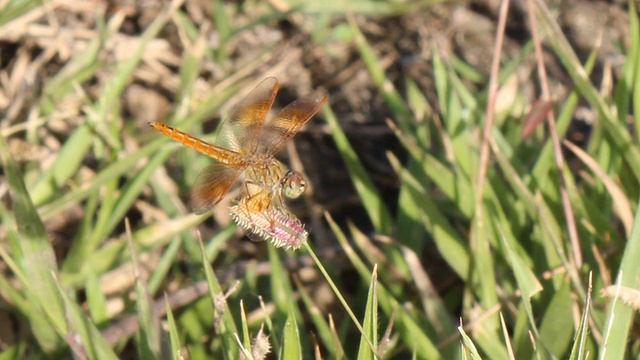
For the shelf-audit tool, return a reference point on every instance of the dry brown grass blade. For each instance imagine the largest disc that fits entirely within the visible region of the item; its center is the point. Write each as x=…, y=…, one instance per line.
x=629, y=296
x=490, y=110
x=621, y=205
x=557, y=150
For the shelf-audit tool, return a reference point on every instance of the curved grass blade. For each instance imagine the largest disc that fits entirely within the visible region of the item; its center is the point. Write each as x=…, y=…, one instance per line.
x=378, y=213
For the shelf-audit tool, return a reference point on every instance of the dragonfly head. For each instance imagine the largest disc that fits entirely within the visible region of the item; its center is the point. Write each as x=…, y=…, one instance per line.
x=293, y=184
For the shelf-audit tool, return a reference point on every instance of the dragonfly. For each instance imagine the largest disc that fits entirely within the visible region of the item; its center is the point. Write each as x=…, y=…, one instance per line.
x=244, y=150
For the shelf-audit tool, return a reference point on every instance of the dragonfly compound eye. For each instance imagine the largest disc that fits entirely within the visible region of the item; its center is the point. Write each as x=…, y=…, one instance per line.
x=293, y=184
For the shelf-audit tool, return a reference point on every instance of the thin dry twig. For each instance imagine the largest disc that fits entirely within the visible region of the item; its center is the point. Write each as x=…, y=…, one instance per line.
x=486, y=135
x=490, y=112
x=557, y=150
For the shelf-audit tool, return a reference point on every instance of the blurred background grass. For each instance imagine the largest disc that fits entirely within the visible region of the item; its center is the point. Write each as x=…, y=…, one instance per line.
x=440, y=221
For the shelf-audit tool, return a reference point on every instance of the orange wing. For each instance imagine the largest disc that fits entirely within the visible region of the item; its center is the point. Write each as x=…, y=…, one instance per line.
x=212, y=185
x=289, y=120
x=241, y=131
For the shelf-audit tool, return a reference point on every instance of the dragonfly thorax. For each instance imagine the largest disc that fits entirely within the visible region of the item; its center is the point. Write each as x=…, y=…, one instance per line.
x=266, y=171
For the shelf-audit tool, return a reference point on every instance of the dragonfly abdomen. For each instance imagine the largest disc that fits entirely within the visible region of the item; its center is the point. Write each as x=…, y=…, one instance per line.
x=223, y=155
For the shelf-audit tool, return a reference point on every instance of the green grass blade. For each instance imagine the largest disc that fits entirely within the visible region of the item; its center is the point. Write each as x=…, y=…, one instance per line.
x=634, y=60
x=148, y=337
x=392, y=97
x=580, y=349
x=246, y=339
x=556, y=329
x=65, y=166
x=91, y=340
x=8, y=291
x=335, y=344
x=331, y=283
x=96, y=300
x=34, y=254
x=224, y=29
x=620, y=315
x=318, y=318
x=83, y=247
x=281, y=289
x=378, y=213
x=484, y=276
x=43, y=330
x=226, y=326
x=627, y=84
x=191, y=64
x=282, y=293
x=152, y=236
x=414, y=334
x=81, y=67
x=546, y=160
x=124, y=69
x=468, y=347
x=113, y=171
x=131, y=192
x=507, y=338
x=174, y=338
x=163, y=268
x=216, y=244
x=16, y=352
x=617, y=131
x=13, y=9
x=291, y=348
x=370, y=323
x=450, y=244
x=526, y=280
